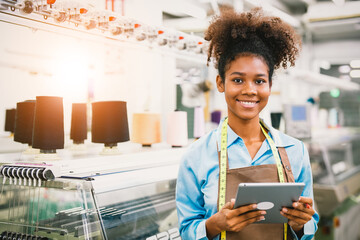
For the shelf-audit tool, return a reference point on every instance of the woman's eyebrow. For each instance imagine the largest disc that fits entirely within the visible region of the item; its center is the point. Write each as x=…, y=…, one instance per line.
x=243, y=74
x=238, y=73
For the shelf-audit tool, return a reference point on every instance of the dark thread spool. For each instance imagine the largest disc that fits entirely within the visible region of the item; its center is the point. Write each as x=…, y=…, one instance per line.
x=48, y=133
x=109, y=123
x=24, y=122
x=78, y=130
x=10, y=120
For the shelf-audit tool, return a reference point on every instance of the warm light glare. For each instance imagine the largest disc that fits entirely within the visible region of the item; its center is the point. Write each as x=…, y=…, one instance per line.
x=355, y=73
x=355, y=63
x=71, y=77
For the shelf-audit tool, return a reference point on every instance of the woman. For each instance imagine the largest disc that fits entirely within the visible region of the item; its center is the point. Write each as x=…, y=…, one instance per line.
x=247, y=48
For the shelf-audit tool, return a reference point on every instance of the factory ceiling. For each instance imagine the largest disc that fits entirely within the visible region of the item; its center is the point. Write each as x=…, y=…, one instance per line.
x=322, y=20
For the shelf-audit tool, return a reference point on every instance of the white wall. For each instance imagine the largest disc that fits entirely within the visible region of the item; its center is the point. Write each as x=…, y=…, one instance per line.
x=337, y=52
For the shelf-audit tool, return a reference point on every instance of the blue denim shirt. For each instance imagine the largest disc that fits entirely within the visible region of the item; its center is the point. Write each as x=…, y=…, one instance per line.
x=197, y=182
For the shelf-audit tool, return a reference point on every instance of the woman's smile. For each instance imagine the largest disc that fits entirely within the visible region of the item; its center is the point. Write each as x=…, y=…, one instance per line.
x=247, y=104
x=246, y=87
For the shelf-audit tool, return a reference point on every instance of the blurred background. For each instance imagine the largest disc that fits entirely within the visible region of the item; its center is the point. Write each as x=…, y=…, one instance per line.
x=152, y=56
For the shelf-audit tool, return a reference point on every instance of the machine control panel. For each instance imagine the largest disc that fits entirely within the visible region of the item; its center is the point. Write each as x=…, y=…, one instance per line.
x=297, y=121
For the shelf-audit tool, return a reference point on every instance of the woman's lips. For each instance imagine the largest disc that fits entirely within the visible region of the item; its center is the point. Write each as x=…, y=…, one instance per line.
x=247, y=104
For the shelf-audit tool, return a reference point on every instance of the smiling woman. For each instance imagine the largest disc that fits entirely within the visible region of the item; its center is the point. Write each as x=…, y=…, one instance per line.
x=247, y=47
x=246, y=88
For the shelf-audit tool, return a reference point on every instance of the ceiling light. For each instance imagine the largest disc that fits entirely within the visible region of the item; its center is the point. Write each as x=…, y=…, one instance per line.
x=355, y=63
x=344, y=69
x=355, y=73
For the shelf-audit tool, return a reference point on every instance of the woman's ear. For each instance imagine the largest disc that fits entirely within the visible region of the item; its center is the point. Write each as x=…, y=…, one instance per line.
x=220, y=84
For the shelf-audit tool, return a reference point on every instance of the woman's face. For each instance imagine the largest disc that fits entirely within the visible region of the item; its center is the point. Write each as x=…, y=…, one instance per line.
x=246, y=87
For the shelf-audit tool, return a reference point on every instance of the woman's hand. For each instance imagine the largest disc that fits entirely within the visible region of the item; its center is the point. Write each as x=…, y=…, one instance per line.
x=301, y=214
x=230, y=219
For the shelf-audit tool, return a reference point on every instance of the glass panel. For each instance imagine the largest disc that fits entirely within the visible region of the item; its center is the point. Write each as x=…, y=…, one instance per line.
x=56, y=210
x=142, y=212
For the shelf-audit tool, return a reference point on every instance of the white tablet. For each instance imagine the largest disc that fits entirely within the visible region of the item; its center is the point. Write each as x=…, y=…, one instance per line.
x=270, y=197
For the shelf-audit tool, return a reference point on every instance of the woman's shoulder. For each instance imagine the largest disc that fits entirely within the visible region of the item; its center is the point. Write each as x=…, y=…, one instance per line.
x=197, y=149
x=284, y=140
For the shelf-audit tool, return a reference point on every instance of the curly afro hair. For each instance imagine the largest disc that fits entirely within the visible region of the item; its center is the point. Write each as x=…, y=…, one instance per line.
x=251, y=33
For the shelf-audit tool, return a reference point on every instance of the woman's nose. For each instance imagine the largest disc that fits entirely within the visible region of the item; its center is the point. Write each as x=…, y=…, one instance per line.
x=249, y=89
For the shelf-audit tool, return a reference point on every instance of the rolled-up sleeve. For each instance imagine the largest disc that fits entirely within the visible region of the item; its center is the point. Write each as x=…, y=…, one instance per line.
x=306, y=177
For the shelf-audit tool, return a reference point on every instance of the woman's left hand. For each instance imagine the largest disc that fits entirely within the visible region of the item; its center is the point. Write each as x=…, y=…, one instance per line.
x=300, y=214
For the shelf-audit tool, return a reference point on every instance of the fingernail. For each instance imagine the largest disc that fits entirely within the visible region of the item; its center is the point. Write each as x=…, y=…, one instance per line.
x=254, y=206
x=261, y=218
x=284, y=210
x=307, y=206
x=295, y=204
x=263, y=212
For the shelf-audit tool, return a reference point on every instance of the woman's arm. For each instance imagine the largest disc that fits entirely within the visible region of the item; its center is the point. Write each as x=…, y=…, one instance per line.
x=303, y=218
x=191, y=211
x=190, y=202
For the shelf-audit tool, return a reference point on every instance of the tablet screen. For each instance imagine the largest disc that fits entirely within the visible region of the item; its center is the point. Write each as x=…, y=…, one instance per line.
x=270, y=197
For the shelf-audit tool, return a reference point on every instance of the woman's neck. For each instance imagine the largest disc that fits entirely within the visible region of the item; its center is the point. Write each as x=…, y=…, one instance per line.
x=248, y=130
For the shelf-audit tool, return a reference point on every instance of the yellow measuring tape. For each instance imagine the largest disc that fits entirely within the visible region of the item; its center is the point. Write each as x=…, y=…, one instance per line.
x=223, y=162
x=222, y=170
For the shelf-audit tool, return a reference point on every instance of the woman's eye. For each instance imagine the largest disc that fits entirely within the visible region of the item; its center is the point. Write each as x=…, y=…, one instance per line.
x=260, y=81
x=237, y=80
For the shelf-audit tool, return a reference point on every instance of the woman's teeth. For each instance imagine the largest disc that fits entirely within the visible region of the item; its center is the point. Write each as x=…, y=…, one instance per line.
x=248, y=103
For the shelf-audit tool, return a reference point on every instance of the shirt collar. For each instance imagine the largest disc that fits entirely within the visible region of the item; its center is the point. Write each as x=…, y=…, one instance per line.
x=275, y=134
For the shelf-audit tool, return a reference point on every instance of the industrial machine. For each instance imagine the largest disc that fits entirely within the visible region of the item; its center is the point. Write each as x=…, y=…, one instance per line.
x=125, y=196
x=297, y=120
x=335, y=162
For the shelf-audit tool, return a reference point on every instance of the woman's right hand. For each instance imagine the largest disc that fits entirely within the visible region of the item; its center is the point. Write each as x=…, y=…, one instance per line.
x=234, y=220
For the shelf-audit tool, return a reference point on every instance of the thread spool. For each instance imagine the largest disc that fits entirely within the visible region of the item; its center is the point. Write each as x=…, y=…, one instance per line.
x=78, y=129
x=146, y=128
x=24, y=124
x=177, y=129
x=216, y=116
x=10, y=120
x=199, y=122
x=48, y=132
x=109, y=124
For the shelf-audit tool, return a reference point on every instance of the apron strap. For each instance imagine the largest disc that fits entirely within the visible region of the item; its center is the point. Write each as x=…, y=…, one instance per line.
x=286, y=164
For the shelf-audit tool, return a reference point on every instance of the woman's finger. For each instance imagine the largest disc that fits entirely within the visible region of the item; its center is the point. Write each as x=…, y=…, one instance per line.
x=298, y=221
x=306, y=201
x=243, y=209
x=240, y=224
x=295, y=213
x=304, y=207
